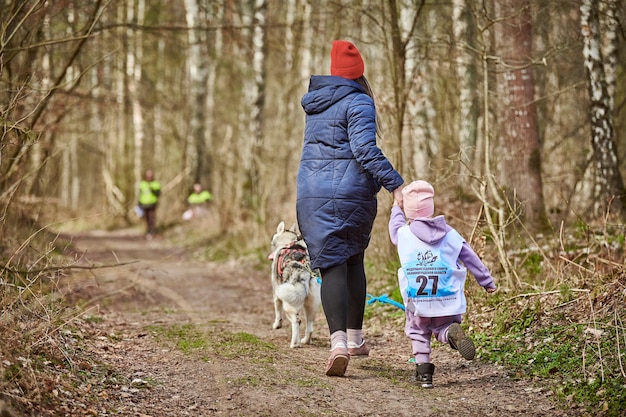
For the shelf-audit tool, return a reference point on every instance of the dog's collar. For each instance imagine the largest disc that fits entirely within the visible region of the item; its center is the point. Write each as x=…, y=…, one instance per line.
x=297, y=235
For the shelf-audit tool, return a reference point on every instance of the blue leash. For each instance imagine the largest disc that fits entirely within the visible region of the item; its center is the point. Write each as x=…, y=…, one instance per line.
x=384, y=299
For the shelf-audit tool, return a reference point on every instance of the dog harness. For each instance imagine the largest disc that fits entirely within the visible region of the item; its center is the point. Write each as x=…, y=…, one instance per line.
x=292, y=253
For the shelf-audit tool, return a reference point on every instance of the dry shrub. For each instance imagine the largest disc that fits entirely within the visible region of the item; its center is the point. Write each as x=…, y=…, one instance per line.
x=35, y=341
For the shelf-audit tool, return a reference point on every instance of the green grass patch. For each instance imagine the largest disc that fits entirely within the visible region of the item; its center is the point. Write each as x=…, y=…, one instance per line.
x=549, y=351
x=185, y=337
x=94, y=319
x=579, y=366
x=190, y=338
x=308, y=382
x=250, y=380
x=234, y=345
x=533, y=264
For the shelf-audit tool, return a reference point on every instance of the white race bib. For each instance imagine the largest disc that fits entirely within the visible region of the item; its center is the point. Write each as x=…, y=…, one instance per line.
x=431, y=281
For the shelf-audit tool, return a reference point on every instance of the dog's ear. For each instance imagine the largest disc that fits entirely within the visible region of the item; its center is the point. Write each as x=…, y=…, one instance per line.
x=281, y=228
x=294, y=228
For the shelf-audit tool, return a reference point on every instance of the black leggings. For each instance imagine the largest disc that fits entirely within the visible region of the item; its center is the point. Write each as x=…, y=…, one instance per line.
x=343, y=294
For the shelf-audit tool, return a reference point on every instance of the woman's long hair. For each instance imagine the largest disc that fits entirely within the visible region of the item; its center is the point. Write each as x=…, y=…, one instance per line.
x=368, y=90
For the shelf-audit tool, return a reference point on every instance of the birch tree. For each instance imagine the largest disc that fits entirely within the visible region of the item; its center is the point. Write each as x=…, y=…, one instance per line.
x=135, y=14
x=608, y=192
x=70, y=176
x=257, y=107
x=410, y=95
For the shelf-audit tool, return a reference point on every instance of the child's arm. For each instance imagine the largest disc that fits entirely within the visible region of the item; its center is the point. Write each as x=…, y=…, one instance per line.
x=396, y=221
x=473, y=263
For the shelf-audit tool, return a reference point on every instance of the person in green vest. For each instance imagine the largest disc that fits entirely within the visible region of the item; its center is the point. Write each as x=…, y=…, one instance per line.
x=197, y=202
x=149, y=192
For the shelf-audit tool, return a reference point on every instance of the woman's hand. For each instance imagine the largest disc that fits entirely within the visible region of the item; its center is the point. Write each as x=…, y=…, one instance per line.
x=397, y=197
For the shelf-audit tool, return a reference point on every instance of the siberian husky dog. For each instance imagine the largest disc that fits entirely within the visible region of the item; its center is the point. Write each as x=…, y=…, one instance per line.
x=295, y=287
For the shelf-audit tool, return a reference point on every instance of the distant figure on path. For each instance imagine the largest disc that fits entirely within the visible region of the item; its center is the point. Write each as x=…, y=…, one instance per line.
x=197, y=202
x=149, y=192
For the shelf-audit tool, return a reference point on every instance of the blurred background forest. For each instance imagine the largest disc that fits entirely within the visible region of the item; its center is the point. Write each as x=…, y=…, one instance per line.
x=514, y=109
x=518, y=103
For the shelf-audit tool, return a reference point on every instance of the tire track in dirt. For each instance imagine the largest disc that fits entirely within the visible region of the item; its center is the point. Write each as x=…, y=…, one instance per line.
x=148, y=264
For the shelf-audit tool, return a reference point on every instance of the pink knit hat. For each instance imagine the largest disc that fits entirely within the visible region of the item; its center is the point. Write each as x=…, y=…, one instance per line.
x=346, y=60
x=418, y=200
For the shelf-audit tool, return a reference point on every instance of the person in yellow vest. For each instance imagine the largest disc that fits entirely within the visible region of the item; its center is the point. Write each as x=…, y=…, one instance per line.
x=149, y=192
x=197, y=202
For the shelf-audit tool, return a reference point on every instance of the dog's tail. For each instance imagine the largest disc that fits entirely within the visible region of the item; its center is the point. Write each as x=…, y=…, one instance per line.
x=292, y=293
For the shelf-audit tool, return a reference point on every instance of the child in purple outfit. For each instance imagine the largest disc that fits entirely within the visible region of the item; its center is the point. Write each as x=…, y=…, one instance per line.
x=431, y=278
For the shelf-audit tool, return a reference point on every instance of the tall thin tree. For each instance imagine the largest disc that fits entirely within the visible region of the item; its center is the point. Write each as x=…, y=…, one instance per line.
x=608, y=186
x=198, y=81
x=466, y=116
x=258, y=105
x=135, y=14
x=410, y=97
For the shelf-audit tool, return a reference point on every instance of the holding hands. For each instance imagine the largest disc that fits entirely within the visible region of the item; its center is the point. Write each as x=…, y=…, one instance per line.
x=397, y=197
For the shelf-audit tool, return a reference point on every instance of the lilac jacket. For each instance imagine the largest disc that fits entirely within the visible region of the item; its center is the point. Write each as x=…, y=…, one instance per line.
x=433, y=229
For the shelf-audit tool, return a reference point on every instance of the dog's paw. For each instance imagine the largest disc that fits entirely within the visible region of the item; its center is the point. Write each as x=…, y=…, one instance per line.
x=277, y=324
x=294, y=345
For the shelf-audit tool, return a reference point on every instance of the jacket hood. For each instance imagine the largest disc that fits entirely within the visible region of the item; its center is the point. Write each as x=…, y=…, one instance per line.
x=430, y=229
x=326, y=90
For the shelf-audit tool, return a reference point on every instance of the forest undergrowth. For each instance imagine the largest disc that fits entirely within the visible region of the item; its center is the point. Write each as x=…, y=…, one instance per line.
x=562, y=323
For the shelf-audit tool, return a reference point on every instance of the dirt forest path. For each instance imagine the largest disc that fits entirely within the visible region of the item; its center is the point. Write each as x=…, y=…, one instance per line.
x=241, y=366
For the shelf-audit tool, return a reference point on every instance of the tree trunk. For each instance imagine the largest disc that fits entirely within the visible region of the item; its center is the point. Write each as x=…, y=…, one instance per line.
x=298, y=43
x=411, y=123
x=133, y=72
x=519, y=161
x=608, y=187
x=159, y=126
x=257, y=109
x=120, y=153
x=198, y=77
x=466, y=117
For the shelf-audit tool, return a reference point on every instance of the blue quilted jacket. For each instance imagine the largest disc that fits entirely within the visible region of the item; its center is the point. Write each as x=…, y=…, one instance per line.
x=341, y=170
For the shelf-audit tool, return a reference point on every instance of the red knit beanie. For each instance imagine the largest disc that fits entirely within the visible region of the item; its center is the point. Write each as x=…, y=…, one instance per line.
x=346, y=61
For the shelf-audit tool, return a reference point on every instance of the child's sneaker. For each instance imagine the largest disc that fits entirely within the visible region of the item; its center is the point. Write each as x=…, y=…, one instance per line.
x=459, y=341
x=338, y=362
x=359, y=351
x=424, y=374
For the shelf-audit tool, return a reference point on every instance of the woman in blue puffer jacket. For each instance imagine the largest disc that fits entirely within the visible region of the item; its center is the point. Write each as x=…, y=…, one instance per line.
x=341, y=171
